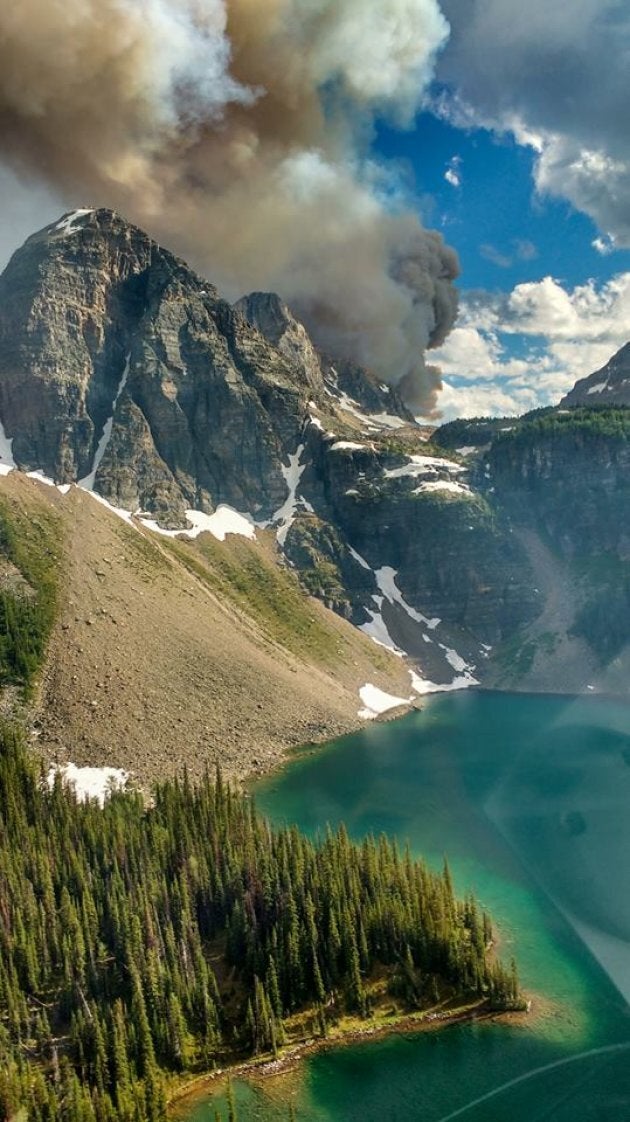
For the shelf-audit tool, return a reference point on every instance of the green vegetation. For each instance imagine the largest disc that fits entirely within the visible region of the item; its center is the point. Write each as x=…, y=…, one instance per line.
x=138, y=943
x=144, y=553
x=602, y=420
x=270, y=594
x=604, y=581
x=325, y=565
x=516, y=655
x=477, y=431
x=29, y=550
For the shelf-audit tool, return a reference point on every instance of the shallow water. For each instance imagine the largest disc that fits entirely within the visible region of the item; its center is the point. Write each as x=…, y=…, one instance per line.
x=529, y=796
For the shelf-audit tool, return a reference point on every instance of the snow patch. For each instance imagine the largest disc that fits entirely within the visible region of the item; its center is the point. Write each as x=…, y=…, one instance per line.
x=224, y=521
x=422, y=685
x=387, y=420
x=349, y=406
x=368, y=420
x=376, y=630
x=67, y=224
x=7, y=463
x=90, y=782
x=124, y=514
x=386, y=581
x=376, y=701
x=285, y=514
x=41, y=478
x=346, y=445
x=357, y=556
x=316, y=421
x=442, y=485
x=597, y=388
x=454, y=659
x=422, y=465
x=87, y=483
x=468, y=449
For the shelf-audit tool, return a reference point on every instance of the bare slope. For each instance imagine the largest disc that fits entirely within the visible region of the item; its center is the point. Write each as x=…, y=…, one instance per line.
x=168, y=652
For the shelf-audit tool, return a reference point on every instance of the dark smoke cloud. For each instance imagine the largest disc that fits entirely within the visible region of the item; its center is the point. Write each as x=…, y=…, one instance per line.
x=237, y=133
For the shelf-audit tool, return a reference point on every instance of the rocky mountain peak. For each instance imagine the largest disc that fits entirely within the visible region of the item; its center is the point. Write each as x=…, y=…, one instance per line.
x=105, y=333
x=608, y=386
x=271, y=316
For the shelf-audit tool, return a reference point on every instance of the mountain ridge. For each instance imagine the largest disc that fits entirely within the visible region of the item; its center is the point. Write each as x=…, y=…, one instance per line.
x=224, y=436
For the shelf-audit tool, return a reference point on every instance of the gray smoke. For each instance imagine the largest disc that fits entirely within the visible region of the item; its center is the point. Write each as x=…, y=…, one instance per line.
x=238, y=133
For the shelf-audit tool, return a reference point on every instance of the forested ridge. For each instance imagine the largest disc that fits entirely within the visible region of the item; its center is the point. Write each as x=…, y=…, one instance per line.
x=139, y=941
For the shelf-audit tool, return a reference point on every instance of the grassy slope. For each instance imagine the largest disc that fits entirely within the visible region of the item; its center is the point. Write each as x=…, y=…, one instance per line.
x=30, y=559
x=168, y=652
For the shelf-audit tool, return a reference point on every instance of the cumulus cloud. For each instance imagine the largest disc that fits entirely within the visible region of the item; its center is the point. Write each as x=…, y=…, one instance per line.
x=459, y=399
x=511, y=352
x=557, y=77
x=237, y=132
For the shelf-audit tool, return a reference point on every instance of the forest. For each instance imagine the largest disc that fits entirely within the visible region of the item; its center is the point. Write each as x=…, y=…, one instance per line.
x=150, y=938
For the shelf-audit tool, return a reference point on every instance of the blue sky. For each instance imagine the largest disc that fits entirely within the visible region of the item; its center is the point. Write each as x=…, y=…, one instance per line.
x=236, y=133
x=495, y=207
x=477, y=186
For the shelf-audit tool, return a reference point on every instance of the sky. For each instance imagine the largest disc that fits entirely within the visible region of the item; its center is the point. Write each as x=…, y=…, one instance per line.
x=544, y=290
x=503, y=126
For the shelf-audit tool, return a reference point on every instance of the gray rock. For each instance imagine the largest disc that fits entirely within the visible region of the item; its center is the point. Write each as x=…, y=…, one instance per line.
x=608, y=386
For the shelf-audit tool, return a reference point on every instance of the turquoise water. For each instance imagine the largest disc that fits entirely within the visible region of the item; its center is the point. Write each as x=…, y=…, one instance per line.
x=530, y=798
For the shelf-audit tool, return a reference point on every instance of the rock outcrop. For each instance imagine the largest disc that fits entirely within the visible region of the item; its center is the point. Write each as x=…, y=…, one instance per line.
x=99, y=322
x=608, y=386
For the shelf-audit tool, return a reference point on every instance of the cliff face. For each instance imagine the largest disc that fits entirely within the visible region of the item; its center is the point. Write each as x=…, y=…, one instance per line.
x=124, y=371
x=568, y=473
x=563, y=479
x=608, y=386
x=99, y=322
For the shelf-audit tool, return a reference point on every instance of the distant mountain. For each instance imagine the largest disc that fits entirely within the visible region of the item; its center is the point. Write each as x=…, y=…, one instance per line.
x=608, y=386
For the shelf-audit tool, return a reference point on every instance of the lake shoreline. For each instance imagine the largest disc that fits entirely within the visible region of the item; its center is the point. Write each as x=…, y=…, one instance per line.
x=293, y=1055
x=291, y=754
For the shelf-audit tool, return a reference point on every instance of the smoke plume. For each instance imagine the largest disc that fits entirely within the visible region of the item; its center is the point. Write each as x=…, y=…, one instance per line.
x=238, y=133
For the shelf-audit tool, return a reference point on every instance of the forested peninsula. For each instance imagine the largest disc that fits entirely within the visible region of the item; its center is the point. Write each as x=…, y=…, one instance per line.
x=147, y=939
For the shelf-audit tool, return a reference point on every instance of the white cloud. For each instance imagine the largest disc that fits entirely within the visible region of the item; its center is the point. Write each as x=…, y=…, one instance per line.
x=453, y=173
x=491, y=253
x=604, y=244
x=492, y=400
x=594, y=181
x=557, y=78
x=511, y=353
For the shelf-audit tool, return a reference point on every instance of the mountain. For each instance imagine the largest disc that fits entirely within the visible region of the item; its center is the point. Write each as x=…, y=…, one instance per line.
x=157, y=652
x=284, y=550
x=608, y=386
x=562, y=479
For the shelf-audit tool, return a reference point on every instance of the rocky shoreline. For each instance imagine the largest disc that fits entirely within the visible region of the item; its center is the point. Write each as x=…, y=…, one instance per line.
x=290, y=1057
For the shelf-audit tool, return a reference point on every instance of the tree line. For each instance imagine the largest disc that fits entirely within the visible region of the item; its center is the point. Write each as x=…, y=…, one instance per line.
x=139, y=941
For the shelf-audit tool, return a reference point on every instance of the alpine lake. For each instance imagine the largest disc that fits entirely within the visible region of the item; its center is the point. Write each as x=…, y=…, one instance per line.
x=529, y=797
